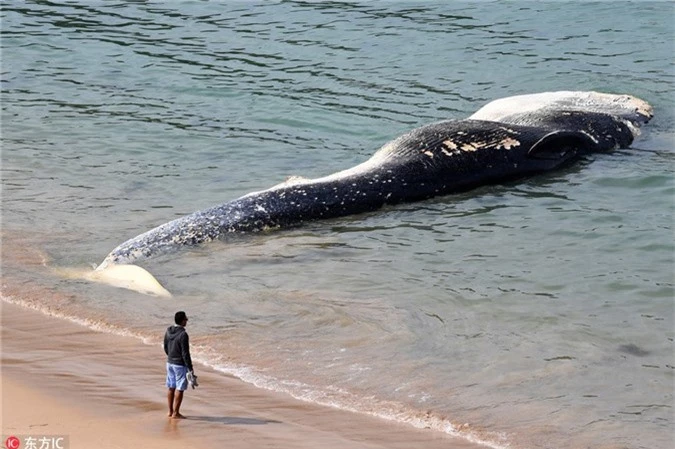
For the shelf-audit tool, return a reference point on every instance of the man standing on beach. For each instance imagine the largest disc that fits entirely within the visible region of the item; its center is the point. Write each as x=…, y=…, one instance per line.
x=179, y=362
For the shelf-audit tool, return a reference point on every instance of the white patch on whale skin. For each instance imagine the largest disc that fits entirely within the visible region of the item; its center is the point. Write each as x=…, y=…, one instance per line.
x=451, y=148
x=591, y=137
x=292, y=180
x=508, y=143
x=295, y=180
x=450, y=145
x=474, y=146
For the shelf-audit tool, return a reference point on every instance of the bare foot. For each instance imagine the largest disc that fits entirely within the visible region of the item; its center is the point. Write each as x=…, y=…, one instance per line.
x=177, y=416
x=170, y=414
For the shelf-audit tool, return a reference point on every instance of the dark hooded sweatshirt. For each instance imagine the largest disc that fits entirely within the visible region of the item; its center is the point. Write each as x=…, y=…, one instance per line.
x=177, y=346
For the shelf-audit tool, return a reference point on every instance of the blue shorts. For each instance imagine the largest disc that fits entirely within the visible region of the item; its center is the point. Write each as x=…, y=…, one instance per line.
x=176, y=376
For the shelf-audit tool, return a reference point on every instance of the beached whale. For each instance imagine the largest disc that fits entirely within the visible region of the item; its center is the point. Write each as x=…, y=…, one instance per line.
x=507, y=139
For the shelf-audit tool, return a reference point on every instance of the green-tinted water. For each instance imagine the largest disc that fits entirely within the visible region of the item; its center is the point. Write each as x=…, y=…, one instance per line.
x=541, y=313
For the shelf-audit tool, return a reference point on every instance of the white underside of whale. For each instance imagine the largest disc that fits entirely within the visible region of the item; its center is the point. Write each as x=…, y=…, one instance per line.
x=625, y=107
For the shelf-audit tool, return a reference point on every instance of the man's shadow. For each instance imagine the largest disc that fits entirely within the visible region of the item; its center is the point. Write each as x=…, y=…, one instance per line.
x=233, y=420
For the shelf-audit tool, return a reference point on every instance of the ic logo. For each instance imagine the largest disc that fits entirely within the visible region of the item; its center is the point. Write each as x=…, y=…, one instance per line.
x=12, y=443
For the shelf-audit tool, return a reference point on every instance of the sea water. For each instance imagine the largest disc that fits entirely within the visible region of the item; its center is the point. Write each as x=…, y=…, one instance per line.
x=533, y=314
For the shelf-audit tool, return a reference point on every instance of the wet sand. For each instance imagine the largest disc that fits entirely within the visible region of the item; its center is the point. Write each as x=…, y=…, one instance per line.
x=107, y=391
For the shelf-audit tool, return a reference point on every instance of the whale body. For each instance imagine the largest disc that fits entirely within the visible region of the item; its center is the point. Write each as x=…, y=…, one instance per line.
x=507, y=139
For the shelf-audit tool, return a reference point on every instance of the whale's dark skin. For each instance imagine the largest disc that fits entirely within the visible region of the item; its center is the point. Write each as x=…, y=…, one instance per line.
x=436, y=159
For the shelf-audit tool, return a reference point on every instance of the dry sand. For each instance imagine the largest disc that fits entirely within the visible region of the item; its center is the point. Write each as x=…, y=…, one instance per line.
x=107, y=391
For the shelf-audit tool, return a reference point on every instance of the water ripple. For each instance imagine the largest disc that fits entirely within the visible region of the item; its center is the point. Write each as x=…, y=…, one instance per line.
x=117, y=117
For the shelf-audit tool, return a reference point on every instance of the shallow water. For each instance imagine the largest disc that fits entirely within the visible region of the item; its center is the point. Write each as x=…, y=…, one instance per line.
x=540, y=313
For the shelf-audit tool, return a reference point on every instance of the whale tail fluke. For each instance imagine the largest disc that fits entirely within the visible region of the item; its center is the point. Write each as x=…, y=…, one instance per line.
x=127, y=276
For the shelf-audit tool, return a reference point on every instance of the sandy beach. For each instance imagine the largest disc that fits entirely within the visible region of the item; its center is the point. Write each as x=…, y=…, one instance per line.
x=60, y=378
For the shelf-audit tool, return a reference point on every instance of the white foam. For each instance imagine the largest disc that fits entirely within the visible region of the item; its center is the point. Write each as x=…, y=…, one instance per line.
x=96, y=326
x=330, y=396
x=341, y=399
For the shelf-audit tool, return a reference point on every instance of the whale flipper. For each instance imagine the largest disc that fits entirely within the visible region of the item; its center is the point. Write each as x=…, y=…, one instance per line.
x=557, y=144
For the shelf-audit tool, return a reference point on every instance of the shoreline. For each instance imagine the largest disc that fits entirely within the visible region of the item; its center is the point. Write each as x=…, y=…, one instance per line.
x=59, y=377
